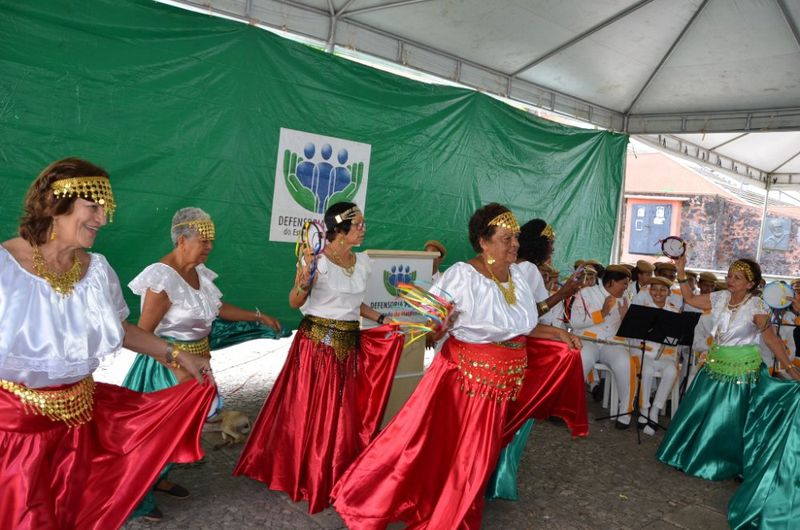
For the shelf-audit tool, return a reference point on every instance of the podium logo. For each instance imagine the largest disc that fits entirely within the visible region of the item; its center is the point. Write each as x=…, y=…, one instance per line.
x=397, y=274
x=316, y=179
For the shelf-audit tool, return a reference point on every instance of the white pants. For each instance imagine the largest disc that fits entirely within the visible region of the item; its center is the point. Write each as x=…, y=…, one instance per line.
x=668, y=372
x=619, y=360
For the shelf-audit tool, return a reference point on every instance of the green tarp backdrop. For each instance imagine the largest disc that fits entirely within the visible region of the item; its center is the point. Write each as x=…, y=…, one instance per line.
x=185, y=110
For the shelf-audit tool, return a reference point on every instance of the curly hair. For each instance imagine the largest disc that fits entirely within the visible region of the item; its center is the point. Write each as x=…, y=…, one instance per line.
x=533, y=246
x=41, y=205
x=479, y=224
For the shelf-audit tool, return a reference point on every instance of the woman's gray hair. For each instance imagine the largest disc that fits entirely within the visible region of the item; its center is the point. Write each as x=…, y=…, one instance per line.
x=182, y=216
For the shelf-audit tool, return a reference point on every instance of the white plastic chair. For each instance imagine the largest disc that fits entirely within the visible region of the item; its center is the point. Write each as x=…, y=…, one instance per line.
x=610, y=394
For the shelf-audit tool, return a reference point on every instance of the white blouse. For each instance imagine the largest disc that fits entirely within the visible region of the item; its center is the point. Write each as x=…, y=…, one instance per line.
x=192, y=311
x=47, y=339
x=336, y=295
x=735, y=327
x=482, y=313
x=534, y=278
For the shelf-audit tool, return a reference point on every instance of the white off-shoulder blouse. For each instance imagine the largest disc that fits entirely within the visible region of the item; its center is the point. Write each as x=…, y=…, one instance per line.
x=47, y=339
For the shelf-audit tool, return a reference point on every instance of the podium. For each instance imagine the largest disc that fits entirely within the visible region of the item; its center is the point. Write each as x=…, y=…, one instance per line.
x=389, y=267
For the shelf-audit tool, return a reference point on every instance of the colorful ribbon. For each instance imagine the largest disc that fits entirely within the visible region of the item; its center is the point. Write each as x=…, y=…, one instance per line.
x=433, y=307
x=312, y=236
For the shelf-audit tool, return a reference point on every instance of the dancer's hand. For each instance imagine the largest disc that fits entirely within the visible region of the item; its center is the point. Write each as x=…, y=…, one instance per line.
x=573, y=341
x=198, y=367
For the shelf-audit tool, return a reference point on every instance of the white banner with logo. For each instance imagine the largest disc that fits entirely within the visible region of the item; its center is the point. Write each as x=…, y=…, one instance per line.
x=390, y=267
x=312, y=173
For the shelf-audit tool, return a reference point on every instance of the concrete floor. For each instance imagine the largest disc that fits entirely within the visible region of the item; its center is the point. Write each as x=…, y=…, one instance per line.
x=604, y=481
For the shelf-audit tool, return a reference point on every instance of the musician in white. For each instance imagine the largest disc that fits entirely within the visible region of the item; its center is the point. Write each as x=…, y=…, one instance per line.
x=597, y=312
x=658, y=358
x=640, y=274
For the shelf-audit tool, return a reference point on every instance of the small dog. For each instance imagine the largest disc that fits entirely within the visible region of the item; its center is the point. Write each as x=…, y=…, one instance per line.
x=233, y=425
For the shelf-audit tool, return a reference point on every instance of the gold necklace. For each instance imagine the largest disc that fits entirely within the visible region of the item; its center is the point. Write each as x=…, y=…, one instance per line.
x=348, y=269
x=509, y=294
x=735, y=307
x=61, y=282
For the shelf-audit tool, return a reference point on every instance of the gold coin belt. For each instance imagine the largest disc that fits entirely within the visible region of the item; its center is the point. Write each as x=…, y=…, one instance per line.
x=72, y=405
x=198, y=348
x=486, y=376
x=340, y=335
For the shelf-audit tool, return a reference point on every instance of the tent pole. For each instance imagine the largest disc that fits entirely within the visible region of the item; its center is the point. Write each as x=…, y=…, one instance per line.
x=763, y=219
x=616, y=246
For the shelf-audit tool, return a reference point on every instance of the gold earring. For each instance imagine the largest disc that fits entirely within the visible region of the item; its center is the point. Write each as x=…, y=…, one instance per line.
x=489, y=259
x=53, y=233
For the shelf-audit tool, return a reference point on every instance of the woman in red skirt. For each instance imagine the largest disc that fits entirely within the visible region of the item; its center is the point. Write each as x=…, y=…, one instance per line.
x=78, y=454
x=328, y=400
x=429, y=467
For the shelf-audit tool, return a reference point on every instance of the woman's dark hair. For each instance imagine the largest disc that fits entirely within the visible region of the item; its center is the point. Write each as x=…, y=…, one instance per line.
x=533, y=246
x=41, y=205
x=479, y=224
x=755, y=268
x=331, y=226
x=612, y=276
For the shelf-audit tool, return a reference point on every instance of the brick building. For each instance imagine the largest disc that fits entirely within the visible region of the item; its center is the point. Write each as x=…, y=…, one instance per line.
x=719, y=221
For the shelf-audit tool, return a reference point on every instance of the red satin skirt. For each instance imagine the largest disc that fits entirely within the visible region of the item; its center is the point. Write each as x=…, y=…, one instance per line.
x=321, y=413
x=92, y=476
x=429, y=467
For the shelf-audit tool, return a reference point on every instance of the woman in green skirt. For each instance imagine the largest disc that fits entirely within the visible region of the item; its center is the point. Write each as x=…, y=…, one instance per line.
x=180, y=303
x=706, y=436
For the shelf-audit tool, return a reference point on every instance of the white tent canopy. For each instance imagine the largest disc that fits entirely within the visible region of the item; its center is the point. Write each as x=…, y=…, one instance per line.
x=676, y=72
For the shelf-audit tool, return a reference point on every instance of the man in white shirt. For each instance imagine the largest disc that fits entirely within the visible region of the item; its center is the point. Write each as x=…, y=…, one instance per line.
x=597, y=312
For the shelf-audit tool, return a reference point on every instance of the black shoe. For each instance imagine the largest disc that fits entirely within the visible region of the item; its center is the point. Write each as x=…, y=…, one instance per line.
x=176, y=491
x=621, y=426
x=154, y=515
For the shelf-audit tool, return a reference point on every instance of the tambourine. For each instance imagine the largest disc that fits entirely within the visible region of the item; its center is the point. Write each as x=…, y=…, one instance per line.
x=778, y=294
x=673, y=247
x=216, y=406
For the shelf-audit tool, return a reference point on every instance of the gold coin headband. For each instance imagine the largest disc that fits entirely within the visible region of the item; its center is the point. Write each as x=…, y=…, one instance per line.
x=205, y=227
x=549, y=233
x=347, y=215
x=95, y=189
x=744, y=268
x=506, y=220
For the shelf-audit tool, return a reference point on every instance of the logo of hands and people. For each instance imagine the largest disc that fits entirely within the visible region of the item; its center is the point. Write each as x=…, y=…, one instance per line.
x=397, y=274
x=316, y=180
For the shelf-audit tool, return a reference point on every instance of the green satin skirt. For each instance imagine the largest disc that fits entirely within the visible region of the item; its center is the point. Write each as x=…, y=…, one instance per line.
x=503, y=483
x=769, y=496
x=706, y=437
x=148, y=375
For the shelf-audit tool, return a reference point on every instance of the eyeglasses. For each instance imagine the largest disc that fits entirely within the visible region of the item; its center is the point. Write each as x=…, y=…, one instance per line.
x=360, y=226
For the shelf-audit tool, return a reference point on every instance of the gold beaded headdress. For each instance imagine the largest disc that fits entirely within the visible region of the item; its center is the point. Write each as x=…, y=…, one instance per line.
x=95, y=189
x=204, y=226
x=347, y=215
x=549, y=233
x=744, y=268
x=506, y=220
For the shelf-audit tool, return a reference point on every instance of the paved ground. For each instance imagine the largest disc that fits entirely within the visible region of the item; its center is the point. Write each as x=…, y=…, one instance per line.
x=604, y=481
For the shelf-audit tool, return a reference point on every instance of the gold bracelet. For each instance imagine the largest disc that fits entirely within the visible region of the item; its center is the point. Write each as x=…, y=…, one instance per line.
x=172, y=357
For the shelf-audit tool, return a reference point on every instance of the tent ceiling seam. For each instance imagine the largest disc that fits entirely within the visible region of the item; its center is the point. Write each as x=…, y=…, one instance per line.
x=789, y=21
x=575, y=40
x=729, y=141
x=666, y=56
x=785, y=162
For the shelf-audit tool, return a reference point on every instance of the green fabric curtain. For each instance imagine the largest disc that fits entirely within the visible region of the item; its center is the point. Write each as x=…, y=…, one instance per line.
x=185, y=110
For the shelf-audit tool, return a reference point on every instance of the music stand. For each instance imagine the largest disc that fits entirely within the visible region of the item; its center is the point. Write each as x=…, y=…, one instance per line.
x=651, y=324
